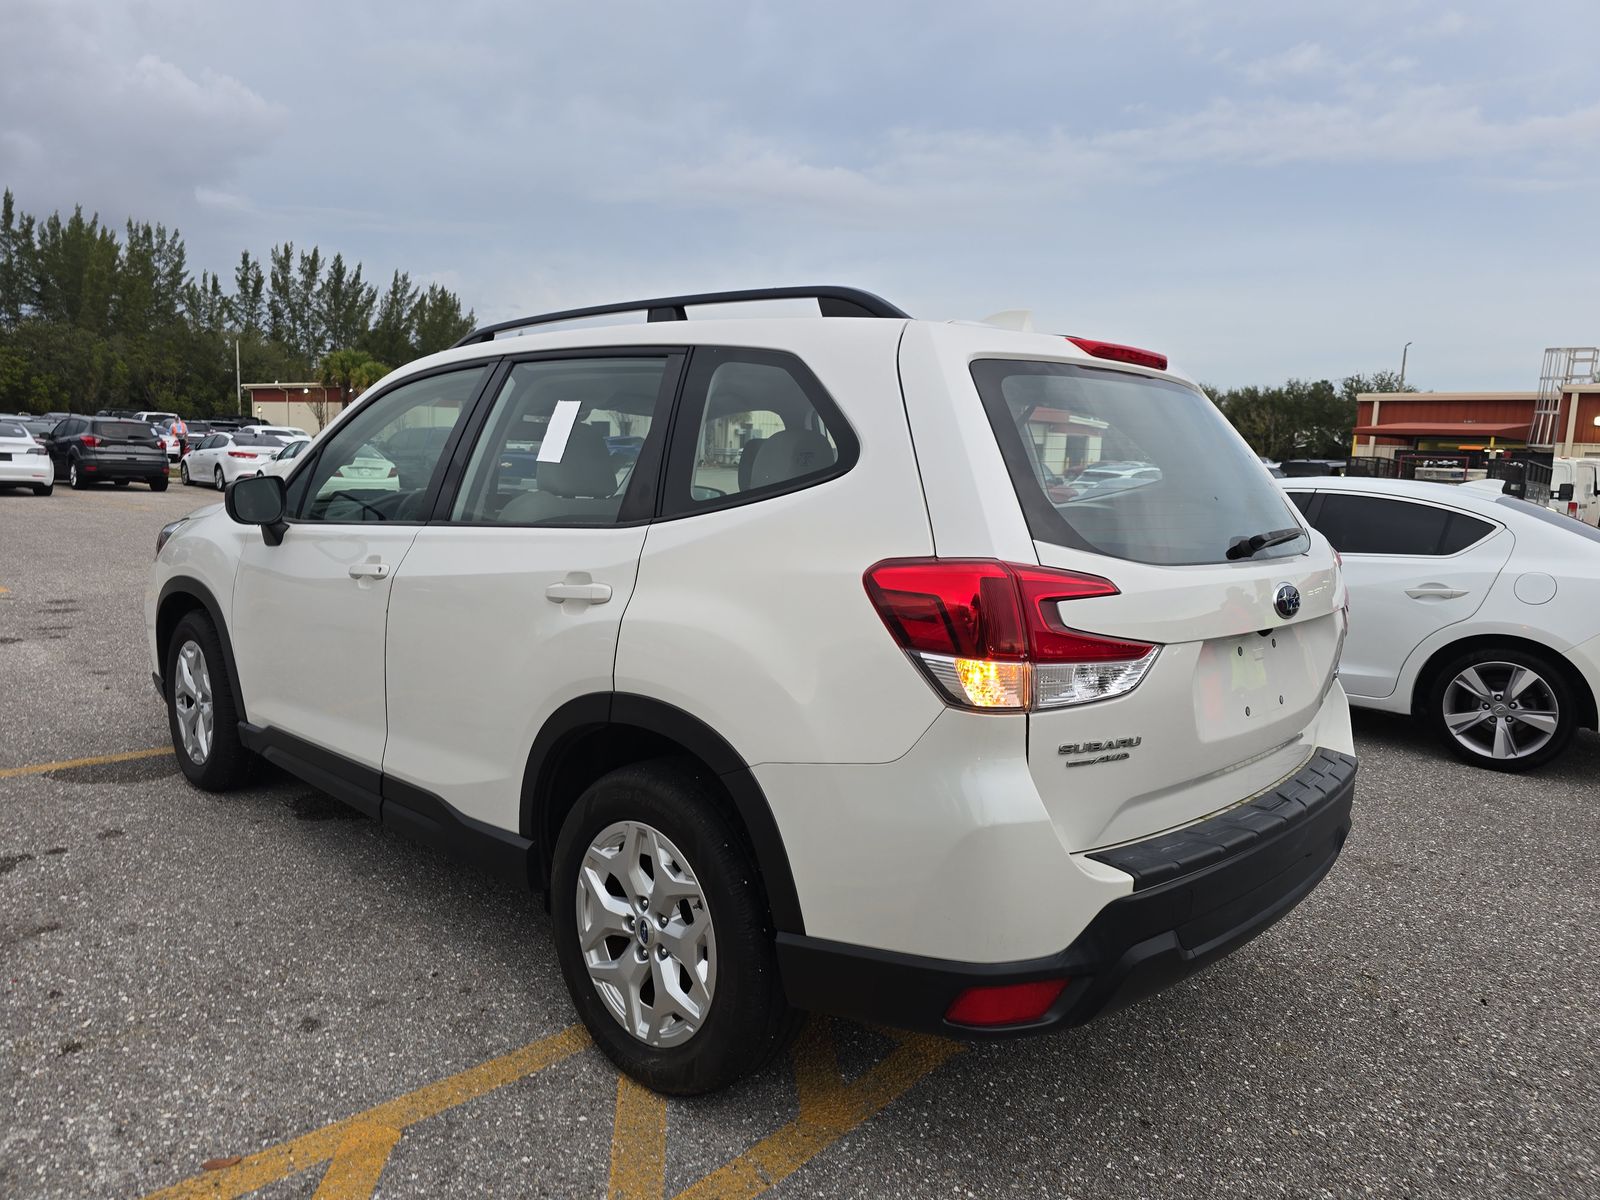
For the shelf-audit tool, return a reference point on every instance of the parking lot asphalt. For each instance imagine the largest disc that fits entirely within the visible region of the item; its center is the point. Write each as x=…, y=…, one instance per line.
x=265, y=994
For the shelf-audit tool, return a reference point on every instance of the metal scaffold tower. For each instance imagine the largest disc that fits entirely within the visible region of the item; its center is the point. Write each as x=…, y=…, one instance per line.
x=1563, y=366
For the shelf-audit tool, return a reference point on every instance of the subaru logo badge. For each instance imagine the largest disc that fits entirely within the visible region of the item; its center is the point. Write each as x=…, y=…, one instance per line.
x=1287, y=601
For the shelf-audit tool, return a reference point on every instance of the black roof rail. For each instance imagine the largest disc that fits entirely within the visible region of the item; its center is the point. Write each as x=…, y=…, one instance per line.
x=831, y=300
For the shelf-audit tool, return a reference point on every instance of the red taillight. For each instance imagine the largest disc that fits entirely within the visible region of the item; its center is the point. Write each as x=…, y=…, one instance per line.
x=240, y=454
x=989, y=636
x=89, y=439
x=962, y=607
x=1120, y=353
x=1572, y=508
x=1008, y=1004
x=393, y=472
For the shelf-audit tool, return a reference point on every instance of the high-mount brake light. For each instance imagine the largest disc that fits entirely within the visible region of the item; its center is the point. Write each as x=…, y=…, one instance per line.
x=1120, y=353
x=989, y=636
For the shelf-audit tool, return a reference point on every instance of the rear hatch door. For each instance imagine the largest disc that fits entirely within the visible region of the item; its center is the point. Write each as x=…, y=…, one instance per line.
x=1136, y=478
x=128, y=441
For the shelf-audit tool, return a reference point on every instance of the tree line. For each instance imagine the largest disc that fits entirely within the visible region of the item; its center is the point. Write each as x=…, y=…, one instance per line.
x=1301, y=418
x=90, y=319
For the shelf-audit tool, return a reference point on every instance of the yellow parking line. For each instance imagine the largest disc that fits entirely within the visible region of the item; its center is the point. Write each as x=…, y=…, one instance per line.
x=321, y=1145
x=829, y=1108
x=638, y=1144
x=98, y=760
x=357, y=1163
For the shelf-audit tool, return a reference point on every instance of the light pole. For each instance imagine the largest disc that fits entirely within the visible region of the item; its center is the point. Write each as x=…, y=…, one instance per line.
x=1403, y=351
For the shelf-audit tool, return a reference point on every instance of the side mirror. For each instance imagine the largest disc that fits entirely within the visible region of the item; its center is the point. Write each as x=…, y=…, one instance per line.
x=258, y=500
x=1564, y=492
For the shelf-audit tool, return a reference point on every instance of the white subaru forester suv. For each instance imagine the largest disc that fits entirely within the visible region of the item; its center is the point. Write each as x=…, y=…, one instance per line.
x=794, y=664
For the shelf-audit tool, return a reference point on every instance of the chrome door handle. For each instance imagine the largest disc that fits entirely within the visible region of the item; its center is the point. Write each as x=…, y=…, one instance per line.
x=369, y=570
x=586, y=593
x=1434, y=591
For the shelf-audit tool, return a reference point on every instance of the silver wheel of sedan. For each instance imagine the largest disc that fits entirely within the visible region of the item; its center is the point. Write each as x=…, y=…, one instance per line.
x=646, y=934
x=1501, y=710
x=192, y=701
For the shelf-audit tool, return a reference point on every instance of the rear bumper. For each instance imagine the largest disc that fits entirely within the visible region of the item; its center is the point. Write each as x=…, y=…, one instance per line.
x=1199, y=893
x=100, y=467
x=27, y=468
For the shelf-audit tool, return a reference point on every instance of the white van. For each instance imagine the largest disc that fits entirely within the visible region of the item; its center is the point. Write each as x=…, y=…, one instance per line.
x=1575, y=488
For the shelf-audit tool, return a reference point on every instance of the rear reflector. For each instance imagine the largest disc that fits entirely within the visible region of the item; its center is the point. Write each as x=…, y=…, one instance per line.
x=1008, y=1004
x=989, y=636
x=1119, y=353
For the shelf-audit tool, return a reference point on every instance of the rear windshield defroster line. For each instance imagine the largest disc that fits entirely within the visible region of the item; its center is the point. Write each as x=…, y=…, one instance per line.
x=1129, y=466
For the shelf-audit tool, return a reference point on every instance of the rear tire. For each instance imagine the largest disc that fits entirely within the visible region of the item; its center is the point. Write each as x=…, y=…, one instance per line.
x=122, y=482
x=202, y=712
x=745, y=1017
x=75, y=478
x=220, y=481
x=158, y=484
x=1503, y=708
x=183, y=475
x=44, y=489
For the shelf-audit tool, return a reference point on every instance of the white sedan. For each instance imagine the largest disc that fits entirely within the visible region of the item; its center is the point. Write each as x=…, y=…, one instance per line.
x=23, y=461
x=220, y=458
x=284, y=460
x=1473, y=612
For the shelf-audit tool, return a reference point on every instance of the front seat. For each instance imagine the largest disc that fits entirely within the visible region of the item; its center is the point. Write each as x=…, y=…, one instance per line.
x=579, y=487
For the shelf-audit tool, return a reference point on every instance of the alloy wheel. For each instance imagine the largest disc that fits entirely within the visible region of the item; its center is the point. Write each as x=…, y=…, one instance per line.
x=1501, y=710
x=191, y=698
x=220, y=481
x=645, y=933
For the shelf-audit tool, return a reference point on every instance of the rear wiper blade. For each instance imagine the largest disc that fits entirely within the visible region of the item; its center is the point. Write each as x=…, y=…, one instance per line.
x=1246, y=547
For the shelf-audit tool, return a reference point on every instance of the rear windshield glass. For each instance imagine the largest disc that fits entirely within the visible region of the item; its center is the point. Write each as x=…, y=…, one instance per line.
x=257, y=439
x=1130, y=466
x=125, y=429
x=8, y=430
x=1554, y=519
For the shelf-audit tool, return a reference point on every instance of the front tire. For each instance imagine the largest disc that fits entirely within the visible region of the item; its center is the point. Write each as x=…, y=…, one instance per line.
x=662, y=931
x=1503, y=708
x=202, y=712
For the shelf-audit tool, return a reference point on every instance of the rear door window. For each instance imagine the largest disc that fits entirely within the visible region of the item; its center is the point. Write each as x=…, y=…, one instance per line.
x=1380, y=525
x=1130, y=466
x=564, y=443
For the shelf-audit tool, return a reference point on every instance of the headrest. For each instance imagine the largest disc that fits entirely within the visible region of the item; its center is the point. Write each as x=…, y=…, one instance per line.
x=789, y=455
x=585, y=468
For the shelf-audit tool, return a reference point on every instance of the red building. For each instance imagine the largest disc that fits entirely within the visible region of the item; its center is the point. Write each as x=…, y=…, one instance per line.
x=1390, y=422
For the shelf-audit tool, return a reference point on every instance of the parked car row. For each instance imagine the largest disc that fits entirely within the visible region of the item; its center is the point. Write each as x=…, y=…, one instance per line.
x=123, y=447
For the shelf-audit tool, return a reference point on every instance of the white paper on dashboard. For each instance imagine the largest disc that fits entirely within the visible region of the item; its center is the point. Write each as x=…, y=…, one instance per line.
x=558, y=431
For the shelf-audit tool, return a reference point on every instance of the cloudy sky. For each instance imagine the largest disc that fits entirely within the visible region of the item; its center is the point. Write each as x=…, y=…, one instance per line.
x=1261, y=189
